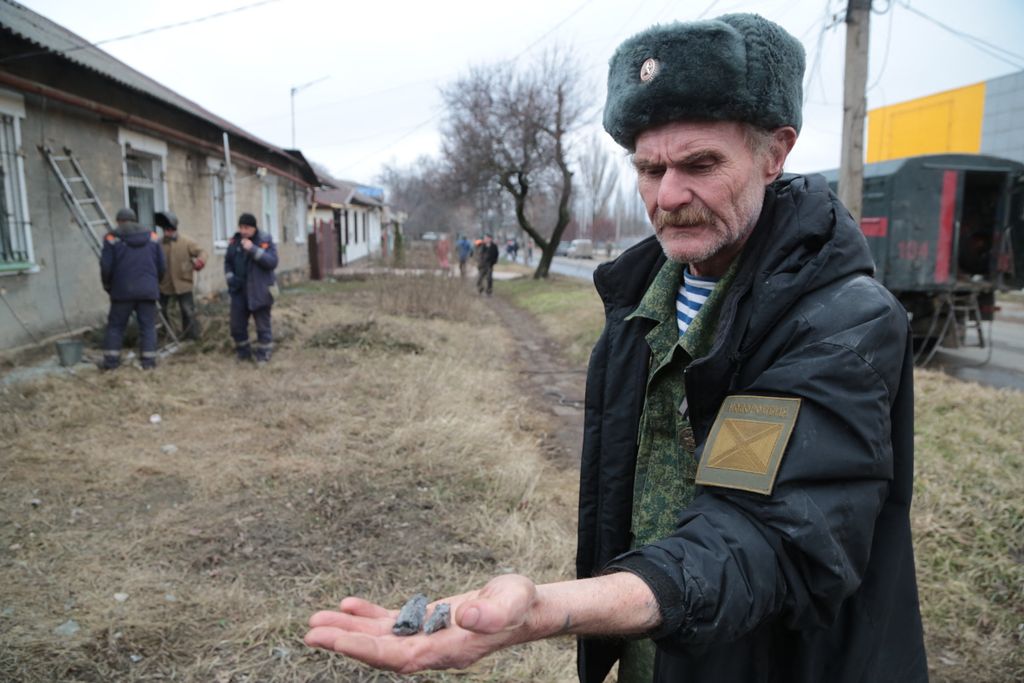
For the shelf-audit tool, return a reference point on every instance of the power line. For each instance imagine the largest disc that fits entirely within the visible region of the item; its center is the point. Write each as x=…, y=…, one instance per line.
x=885, y=57
x=136, y=34
x=187, y=22
x=551, y=30
x=980, y=44
x=437, y=114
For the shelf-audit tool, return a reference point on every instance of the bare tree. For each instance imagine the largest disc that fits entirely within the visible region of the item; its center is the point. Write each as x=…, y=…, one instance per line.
x=599, y=177
x=425, y=195
x=510, y=129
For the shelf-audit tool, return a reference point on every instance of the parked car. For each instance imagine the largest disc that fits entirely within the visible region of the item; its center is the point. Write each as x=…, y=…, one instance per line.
x=430, y=237
x=581, y=249
x=562, y=249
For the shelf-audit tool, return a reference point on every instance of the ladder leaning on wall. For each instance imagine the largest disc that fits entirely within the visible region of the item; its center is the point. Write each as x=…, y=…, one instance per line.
x=87, y=209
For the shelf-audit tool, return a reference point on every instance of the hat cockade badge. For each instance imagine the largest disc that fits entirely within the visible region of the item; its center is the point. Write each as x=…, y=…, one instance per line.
x=649, y=69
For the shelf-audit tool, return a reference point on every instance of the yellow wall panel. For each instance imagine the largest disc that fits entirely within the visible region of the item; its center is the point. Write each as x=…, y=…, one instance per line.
x=947, y=122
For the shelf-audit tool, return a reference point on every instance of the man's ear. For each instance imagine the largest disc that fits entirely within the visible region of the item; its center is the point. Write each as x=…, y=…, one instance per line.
x=783, y=139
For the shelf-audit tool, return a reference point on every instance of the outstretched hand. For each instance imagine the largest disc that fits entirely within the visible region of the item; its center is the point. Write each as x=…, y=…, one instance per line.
x=496, y=616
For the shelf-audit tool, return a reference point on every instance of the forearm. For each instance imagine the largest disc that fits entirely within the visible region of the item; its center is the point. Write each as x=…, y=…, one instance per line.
x=619, y=604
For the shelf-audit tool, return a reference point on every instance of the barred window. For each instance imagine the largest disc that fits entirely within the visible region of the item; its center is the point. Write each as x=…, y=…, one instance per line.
x=15, y=233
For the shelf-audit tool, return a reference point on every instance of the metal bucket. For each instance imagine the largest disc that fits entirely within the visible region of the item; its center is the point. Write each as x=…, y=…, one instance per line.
x=69, y=351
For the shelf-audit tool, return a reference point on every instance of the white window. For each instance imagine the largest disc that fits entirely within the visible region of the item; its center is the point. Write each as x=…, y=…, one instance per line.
x=300, y=216
x=269, y=222
x=222, y=188
x=145, y=186
x=15, y=228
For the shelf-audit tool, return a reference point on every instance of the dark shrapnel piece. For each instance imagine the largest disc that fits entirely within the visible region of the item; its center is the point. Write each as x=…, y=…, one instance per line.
x=440, y=618
x=410, y=617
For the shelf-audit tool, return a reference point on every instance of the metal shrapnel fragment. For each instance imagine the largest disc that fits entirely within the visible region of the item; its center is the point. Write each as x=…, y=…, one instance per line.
x=410, y=617
x=440, y=618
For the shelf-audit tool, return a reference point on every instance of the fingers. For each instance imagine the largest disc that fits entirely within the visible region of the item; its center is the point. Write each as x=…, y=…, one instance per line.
x=365, y=608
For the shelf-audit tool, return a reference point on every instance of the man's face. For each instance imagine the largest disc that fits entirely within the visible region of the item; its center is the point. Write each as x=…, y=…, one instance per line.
x=247, y=231
x=703, y=189
x=488, y=240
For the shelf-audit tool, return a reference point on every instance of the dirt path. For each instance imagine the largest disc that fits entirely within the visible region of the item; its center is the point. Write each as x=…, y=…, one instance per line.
x=547, y=376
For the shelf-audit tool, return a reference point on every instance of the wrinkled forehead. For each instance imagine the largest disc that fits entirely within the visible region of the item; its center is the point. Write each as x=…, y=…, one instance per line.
x=680, y=139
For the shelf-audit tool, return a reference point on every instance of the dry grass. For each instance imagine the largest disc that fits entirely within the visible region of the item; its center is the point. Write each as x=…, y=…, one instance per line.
x=968, y=513
x=969, y=528
x=377, y=468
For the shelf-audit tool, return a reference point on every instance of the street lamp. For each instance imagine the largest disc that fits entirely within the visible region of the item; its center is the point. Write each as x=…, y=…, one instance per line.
x=295, y=89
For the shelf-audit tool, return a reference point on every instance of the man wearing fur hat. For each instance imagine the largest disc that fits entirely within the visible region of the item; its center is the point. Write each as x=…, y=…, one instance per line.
x=184, y=258
x=747, y=457
x=249, y=265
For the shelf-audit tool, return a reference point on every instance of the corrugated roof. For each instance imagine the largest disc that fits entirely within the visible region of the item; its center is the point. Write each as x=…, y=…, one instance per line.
x=54, y=38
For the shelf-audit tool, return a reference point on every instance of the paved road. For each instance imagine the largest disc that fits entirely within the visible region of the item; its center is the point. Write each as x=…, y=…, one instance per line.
x=1003, y=368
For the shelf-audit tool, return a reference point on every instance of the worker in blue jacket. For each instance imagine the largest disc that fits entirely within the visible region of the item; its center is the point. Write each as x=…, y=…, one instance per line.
x=131, y=265
x=249, y=268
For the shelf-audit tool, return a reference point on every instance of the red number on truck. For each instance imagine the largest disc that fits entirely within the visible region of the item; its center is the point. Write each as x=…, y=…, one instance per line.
x=912, y=250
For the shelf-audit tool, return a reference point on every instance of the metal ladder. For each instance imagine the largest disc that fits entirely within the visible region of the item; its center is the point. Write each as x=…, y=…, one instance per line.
x=967, y=317
x=87, y=210
x=85, y=206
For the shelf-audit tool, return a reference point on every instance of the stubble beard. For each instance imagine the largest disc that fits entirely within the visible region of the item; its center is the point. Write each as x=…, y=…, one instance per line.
x=719, y=235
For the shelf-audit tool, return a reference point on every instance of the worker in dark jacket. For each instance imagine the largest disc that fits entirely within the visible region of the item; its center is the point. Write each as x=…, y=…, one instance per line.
x=249, y=269
x=748, y=449
x=131, y=265
x=486, y=258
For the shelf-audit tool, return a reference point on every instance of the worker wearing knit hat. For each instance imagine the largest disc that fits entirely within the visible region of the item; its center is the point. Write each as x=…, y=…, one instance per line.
x=747, y=463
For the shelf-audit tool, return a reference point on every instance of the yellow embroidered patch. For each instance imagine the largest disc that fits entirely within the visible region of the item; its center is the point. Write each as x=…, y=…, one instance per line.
x=746, y=443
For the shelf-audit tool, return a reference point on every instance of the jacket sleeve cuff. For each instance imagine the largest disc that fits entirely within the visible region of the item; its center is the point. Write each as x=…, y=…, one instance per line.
x=666, y=591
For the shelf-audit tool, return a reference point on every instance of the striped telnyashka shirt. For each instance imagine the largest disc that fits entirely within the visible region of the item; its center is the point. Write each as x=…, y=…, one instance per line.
x=691, y=296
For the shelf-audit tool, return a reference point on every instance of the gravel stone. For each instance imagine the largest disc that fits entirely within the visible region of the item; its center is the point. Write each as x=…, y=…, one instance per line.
x=410, y=617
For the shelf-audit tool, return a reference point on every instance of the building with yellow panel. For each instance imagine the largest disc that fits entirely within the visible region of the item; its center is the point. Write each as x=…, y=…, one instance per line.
x=984, y=118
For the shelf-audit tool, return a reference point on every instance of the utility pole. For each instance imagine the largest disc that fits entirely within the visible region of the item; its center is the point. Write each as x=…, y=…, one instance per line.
x=295, y=89
x=855, y=78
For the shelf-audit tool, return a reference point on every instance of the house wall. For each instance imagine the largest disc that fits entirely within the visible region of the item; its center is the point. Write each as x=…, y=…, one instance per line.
x=364, y=230
x=64, y=291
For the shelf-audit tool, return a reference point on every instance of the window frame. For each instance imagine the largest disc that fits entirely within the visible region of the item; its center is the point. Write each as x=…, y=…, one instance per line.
x=268, y=189
x=156, y=151
x=12, y=105
x=219, y=172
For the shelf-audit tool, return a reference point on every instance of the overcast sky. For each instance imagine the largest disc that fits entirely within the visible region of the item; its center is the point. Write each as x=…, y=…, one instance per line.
x=383, y=61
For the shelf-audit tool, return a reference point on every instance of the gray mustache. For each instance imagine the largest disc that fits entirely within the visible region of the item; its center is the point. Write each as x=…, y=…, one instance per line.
x=685, y=217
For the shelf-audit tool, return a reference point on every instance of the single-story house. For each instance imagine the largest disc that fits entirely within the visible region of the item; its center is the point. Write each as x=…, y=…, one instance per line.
x=136, y=143
x=349, y=222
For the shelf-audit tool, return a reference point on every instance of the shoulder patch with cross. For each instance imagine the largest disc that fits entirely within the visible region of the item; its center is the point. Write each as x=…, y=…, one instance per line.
x=746, y=443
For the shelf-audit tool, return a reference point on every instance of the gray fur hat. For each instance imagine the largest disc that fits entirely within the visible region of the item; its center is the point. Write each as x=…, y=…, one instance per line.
x=738, y=67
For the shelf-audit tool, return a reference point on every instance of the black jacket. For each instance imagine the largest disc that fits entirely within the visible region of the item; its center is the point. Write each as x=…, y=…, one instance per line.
x=488, y=255
x=814, y=582
x=132, y=263
x=251, y=273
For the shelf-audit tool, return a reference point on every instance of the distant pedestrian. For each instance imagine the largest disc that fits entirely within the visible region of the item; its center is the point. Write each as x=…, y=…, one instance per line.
x=442, y=250
x=512, y=248
x=249, y=268
x=131, y=266
x=487, y=256
x=463, y=248
x=184, y=258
